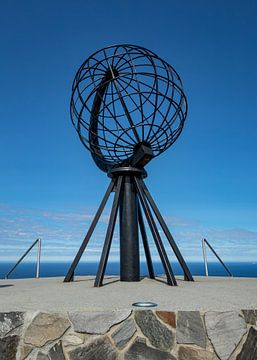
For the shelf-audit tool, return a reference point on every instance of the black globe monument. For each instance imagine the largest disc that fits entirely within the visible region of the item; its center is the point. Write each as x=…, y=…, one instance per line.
x=128, y=106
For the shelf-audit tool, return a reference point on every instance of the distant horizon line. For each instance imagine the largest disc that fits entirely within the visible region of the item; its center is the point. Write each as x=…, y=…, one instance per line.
x=117, y=261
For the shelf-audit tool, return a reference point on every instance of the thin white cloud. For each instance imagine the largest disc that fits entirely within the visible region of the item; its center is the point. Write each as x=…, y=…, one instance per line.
x=62, y=234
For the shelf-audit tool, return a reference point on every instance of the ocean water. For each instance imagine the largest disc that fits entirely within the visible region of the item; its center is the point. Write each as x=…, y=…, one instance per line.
x=48, y=269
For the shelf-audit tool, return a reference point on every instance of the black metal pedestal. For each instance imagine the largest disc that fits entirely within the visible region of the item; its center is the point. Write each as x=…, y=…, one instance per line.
x=129, y=242
x=131, y=195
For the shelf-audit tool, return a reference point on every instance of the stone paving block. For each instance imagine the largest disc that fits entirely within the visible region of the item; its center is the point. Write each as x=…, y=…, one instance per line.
x=250, y=316
x=190, y=328
x=249, y=350
x=168, y=317
x=124, y=333
x=25, y=350
x=225, y=330
x=42, y=356
x=45, y=327
x=8, y=347
x=97, y=322
x=194, y=353
x=158, y=334
x=140, y=351
x=56, y=352
x=72, y=340
x=10, y=321
x=99, y=349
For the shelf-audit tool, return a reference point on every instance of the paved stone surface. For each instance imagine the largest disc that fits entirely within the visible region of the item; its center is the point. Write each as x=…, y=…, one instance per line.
x=249, y=350
x=53, y=295
x=124, y=333
x=157, y=333
x=24, y=351
x=193, y=353
x=190, y=328
x=99, y=349
x=250, y=316
x=10, y=321
x=97, y=322
x=168, y=317
x=8, y=347
x=56, y=352
x=225, y=330
x=72, y=340
x=140, y=351
x=45, y=327
x=42, y=356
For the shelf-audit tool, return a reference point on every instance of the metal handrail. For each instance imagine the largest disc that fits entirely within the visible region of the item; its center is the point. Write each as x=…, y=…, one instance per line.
x=204, y=242
x=38, y=241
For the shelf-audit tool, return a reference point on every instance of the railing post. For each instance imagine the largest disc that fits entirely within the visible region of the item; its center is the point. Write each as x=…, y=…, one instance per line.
x=205, y=258
x=24, y=255
x=38, y=258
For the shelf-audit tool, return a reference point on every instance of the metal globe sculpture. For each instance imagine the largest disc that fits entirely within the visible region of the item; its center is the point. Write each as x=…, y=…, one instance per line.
x=124, y=96
x=128, y=106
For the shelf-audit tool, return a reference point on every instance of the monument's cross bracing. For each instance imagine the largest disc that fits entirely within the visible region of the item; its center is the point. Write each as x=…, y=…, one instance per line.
x=128, y=106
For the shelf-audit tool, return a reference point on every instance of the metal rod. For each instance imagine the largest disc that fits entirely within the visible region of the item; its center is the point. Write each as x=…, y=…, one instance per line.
x=205, y=258
x=166, y=231
x=109, y=235
x=124, y=106
x=70, y=273
x=38, y=258
x=161, y=250
x=20, y=259
x=145, y=243
x=214, y=252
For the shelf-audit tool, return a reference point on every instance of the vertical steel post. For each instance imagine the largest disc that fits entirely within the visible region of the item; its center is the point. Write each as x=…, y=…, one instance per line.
x=129, y=240
x=205, y=258
x=38, y=257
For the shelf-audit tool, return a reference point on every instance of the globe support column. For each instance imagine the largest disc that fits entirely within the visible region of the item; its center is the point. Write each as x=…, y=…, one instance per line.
x=129, y=240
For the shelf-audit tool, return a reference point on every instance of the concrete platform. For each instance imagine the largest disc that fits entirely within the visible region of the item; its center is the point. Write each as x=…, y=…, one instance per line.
x=51, y=294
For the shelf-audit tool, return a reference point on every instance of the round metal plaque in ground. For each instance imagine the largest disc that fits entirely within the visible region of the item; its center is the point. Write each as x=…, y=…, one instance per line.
x=144, y=304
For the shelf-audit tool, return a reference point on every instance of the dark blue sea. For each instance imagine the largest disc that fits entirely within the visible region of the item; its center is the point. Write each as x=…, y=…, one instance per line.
x=48, y=269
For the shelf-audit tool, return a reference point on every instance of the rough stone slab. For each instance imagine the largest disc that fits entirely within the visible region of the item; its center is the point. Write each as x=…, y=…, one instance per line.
x=8, y=347
x=72, y=340
x=124, y=333
x=45, y=327
x=97, y=322
x=225, y=330
x=25, y=350
x=193, y=353
x=190, y=328
x=10, y=321
x=99, y=349
x=42, y=356
x=56, y=352
x=168, y=317
x=249, y=350
x=250, y=316
x=157, y=333
x=140, y=351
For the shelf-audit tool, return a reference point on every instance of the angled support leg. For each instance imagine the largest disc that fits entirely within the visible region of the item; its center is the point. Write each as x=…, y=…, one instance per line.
x=109, y=235
x=187, y=273
x=70, y=274
x=162, y=253
x=145, y=243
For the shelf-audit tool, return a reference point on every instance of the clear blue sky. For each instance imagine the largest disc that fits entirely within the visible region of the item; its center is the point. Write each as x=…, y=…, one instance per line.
x=205, y=185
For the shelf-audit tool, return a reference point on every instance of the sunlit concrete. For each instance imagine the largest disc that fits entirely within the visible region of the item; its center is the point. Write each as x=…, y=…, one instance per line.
x=51, y=294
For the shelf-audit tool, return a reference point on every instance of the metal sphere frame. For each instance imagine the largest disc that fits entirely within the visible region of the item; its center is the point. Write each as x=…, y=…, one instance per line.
x=128, y=106
x=126, y=95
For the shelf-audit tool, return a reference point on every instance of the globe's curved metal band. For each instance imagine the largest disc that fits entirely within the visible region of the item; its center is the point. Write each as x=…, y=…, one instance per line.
x=124, y=96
